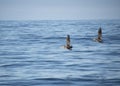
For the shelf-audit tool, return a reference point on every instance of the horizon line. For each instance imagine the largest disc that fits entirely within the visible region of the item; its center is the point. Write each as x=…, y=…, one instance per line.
x=51, y=19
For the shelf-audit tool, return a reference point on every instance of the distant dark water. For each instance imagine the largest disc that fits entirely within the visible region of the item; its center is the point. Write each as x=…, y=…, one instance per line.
x=31, y=53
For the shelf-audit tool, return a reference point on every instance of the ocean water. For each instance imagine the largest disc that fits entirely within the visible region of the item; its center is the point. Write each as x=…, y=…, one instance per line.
x=32, y=53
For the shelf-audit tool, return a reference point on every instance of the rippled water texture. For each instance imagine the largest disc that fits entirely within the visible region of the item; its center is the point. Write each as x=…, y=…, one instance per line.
x=32, y=53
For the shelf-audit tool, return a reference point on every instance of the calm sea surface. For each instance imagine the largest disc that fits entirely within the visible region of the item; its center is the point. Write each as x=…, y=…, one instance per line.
x=32, y=53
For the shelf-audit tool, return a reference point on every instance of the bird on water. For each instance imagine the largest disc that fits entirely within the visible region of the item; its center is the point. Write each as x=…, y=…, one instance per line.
x=68, y=45
x=99, y=38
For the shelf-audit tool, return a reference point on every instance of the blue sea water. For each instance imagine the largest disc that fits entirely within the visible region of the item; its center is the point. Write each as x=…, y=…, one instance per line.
x=32, y=53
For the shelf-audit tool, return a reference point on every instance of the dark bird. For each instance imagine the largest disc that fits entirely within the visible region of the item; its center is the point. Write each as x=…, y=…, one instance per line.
x=68, y=45
x=99, y=38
